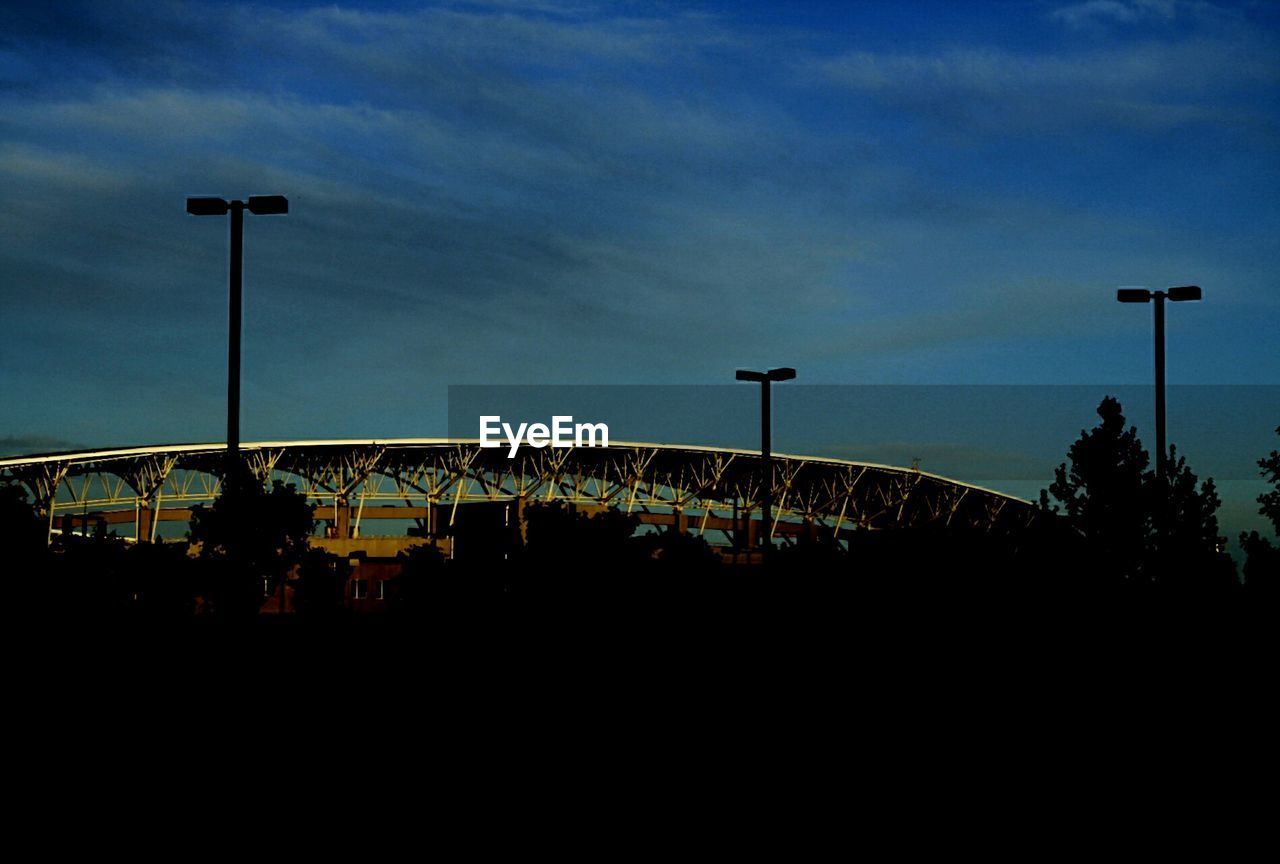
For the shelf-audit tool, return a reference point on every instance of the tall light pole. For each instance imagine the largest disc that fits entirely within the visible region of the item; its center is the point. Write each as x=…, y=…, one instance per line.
x=259, y=205
x=1142, y=295
x=785, y=373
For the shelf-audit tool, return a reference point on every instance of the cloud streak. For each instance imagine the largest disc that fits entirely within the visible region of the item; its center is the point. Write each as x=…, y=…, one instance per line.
x=1150, y=89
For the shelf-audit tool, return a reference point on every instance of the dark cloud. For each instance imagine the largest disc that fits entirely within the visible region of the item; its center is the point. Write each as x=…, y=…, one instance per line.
x=30, y=445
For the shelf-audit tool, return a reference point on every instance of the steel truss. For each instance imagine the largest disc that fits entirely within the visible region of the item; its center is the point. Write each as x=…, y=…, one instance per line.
x=706, y=489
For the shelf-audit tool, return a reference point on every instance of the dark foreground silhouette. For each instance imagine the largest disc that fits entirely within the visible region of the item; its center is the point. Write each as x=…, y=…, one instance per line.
x=1117, y=551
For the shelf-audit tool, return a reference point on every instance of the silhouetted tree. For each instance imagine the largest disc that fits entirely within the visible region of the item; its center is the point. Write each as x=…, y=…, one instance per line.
x=572, y=555
x=320, y=586
x=671, y=568
x=251, y=537
x=24, y=530
x=1136, y=525
x=822, y=554
x=1183, y=547
x=160, y=580
x=1103, y=495
x=1262, y=564
x=91, y=578
x=681, y=551
x=936, y=564
x=556, y=532
x=1270, y=501
x=425, y=583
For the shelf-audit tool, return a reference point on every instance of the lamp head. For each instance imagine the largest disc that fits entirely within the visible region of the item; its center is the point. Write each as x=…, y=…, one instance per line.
x=1133, y=295
x=1186, y=292
x=207, y=207
x=268, y=205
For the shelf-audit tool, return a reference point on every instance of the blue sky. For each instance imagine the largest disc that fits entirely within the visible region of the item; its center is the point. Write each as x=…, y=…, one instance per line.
x=508, y=193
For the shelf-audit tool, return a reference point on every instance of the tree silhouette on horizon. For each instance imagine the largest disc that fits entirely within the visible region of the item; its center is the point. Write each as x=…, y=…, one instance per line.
x=1135, y=523
x=1102, y=494
x=251, y=537
x=1183, y=545
x=1262, y=562
x=24, y=530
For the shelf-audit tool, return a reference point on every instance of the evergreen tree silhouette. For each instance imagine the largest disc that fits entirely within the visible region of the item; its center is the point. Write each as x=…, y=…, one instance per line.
x=1103, y=494
x=1184, y=548
x=1135, y=524
x=1262, y=565
x=1270, y=501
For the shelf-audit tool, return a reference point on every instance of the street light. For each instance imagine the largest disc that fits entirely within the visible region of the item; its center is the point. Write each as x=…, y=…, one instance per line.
x=1142, y=295
x=785, y=373
x=259, y=205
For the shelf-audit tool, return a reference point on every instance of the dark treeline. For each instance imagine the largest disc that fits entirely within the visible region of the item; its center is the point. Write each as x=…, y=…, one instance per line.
x=1112, y=537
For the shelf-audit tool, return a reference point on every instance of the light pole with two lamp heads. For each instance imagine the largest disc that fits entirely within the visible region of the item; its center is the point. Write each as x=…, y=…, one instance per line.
x=784, y=373
x=1142, y=295
x=259, y=205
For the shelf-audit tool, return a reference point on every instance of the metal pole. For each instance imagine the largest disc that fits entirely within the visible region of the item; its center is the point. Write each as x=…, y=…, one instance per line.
x=233, y=344
x=766, y=458
x=1161, y=450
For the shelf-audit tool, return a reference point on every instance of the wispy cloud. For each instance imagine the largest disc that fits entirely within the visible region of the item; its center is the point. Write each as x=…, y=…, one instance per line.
x=71, y=172
x=1150, y=88
x=1104, y=12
